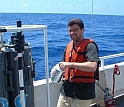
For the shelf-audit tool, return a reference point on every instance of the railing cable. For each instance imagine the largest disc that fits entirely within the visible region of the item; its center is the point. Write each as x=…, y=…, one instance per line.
x=92, y=21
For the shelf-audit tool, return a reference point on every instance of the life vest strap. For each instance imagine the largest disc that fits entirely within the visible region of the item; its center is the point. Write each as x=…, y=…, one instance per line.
x=82, y=77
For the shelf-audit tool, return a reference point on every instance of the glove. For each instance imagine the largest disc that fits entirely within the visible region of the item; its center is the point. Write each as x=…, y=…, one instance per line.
x=52, y=71
x=56, y=74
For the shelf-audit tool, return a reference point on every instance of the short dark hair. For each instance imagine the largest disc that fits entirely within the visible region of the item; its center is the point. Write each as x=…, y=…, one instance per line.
x=77, y=21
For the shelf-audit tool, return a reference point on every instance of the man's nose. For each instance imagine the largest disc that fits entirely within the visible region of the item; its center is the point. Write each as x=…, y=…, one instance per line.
x=72, y=32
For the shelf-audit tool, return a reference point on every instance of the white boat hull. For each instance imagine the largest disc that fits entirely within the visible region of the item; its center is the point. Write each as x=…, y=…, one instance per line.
x=106, y=80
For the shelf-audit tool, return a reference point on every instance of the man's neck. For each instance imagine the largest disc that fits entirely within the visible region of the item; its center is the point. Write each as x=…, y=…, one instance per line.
x=76, y=43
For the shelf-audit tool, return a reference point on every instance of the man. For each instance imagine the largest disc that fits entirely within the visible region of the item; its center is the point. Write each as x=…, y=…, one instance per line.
x=80, y=64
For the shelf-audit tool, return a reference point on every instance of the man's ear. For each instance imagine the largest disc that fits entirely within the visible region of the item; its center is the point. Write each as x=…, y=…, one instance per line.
x=82, y=29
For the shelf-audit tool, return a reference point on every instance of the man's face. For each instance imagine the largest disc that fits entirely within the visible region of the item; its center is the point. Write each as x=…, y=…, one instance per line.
x=76, y=33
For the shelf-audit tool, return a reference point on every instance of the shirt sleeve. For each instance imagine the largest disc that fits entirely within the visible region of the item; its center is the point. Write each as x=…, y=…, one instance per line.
x=92, y=52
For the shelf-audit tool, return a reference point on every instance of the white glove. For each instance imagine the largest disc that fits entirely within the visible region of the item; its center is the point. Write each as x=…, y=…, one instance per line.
x=52, y=71
x=56, y=74
x=56, y=67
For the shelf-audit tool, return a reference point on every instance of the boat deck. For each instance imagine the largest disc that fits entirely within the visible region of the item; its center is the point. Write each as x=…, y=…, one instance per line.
x=119, y=102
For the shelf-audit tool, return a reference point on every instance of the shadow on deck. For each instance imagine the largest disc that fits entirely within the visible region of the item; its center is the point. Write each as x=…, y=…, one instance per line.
x=119, y=102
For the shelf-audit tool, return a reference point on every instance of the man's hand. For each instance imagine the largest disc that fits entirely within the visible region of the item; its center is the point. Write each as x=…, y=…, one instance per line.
x=63, y=65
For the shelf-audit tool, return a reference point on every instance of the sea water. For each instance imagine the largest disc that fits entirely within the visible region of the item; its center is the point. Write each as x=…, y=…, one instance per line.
x=106, y=30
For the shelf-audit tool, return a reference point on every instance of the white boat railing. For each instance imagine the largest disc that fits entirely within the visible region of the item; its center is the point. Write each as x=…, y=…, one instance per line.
x=108, y=57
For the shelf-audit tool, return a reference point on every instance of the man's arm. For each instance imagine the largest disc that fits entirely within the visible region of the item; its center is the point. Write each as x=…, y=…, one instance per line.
x=85, y=66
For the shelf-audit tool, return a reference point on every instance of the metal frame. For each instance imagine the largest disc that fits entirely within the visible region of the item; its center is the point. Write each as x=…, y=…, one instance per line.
x=29, y=28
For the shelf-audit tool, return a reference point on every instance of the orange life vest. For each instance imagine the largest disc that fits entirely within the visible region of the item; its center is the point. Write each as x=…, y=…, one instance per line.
x=76, y=54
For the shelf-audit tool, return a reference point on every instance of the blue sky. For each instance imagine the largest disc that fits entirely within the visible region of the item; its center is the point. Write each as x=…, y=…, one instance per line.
x=108, y=7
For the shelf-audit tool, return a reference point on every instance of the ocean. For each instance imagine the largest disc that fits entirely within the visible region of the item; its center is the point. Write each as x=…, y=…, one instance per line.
x=106, y=30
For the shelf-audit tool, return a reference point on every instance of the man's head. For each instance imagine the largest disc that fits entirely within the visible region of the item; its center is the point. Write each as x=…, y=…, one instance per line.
x=76, y=30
